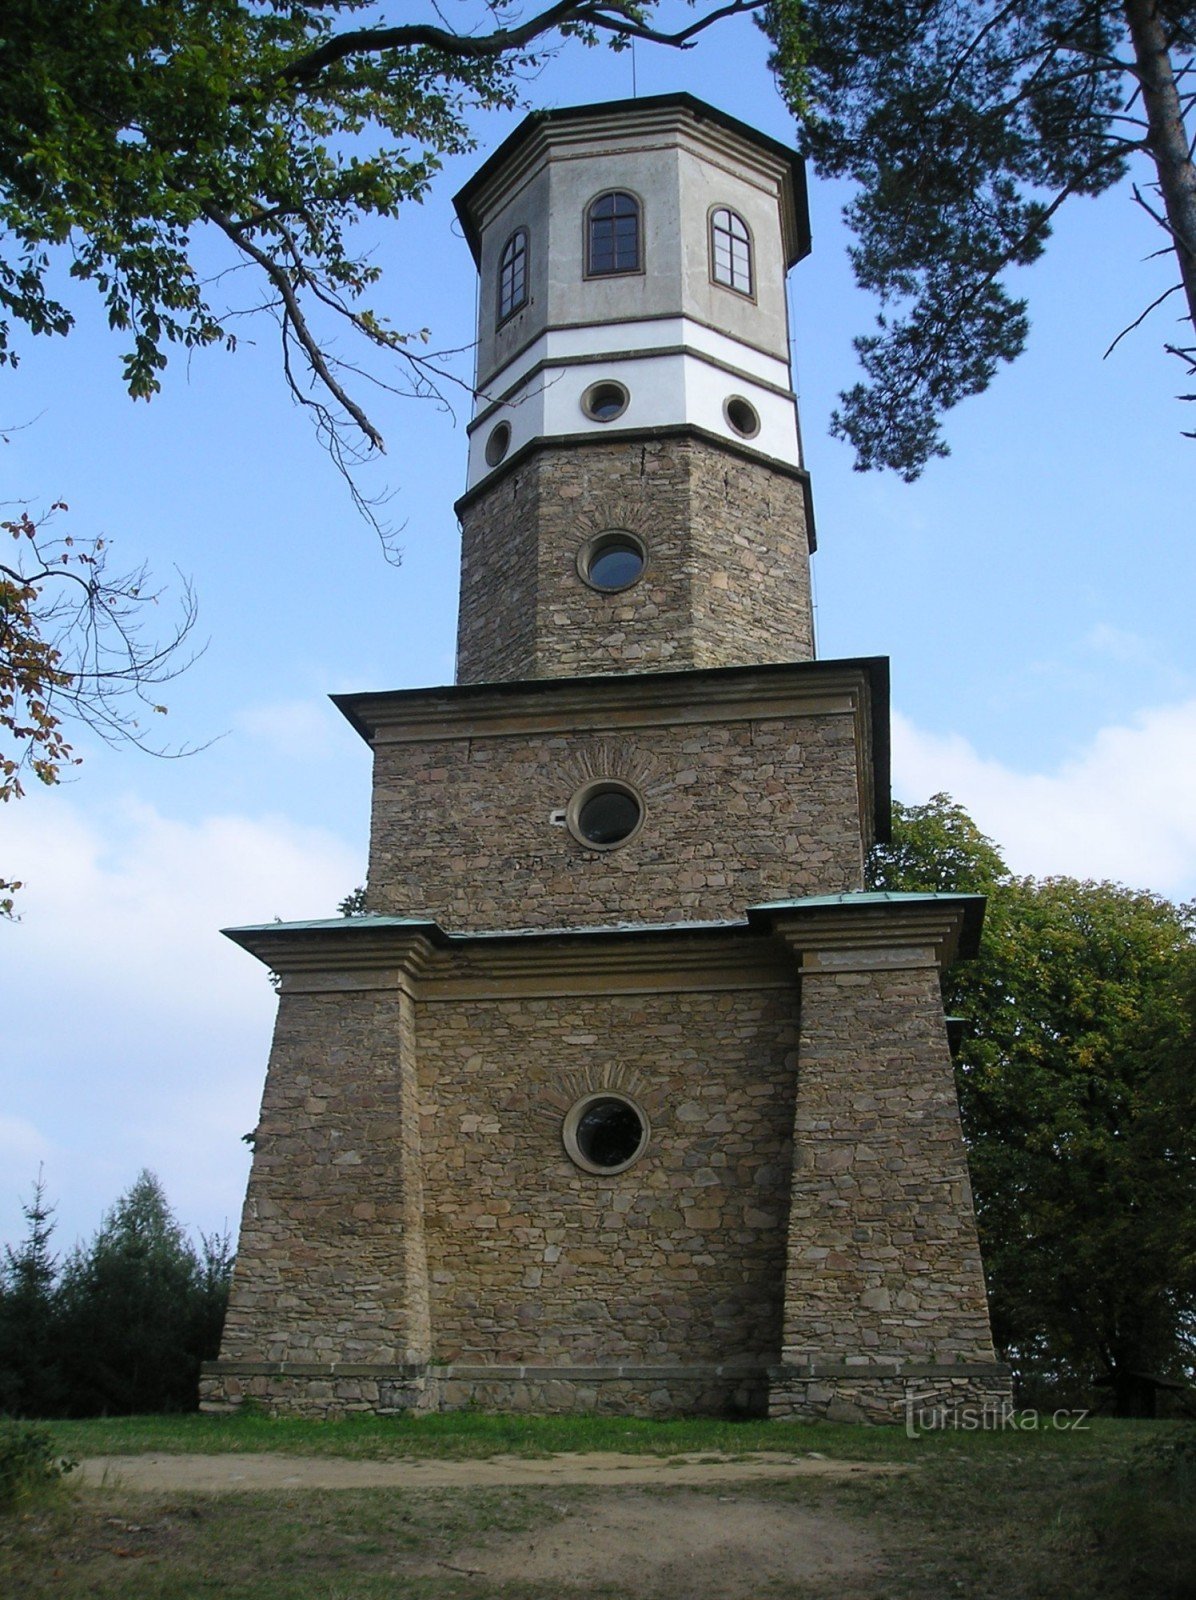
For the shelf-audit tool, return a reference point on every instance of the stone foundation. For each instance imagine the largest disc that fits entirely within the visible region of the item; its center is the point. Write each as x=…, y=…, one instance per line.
x=938, y=1397
x=313, y=1389
x=335, y=1389
x=873, y=1393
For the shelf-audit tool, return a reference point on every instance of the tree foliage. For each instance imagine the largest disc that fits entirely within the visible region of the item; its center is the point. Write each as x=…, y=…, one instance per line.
x=30, y=1380
x=1078, y=1093
x=123, y=1325
x=965, y=125
x=128, y=128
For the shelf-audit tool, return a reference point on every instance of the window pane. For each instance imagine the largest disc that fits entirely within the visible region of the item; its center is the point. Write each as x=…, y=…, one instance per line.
x=731, y=250
x=609, y=1132
x=616, y=565
x=613, y=242
x=609, y=817
x=512, y=275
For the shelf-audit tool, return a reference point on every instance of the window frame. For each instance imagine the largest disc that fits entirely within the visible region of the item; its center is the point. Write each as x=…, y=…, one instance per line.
x=593, y=392
x=588, y=236
x=748, y=241
x=600, y=542
x=518, y=244
x=592, y=790
x=573, y=1118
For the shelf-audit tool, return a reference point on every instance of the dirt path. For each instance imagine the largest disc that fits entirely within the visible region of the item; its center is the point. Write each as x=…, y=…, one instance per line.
x=700, y=1526
x=680, y=1546
x=235, y=1471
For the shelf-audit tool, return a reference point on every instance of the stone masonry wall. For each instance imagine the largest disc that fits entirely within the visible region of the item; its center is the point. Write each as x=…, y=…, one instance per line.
x=726, y=584
x=496, y=619
x=416, y=1236
x=736, y=814
x=883, y=1260
x=750, y=543
x=680, y=1259
x=330, y=1265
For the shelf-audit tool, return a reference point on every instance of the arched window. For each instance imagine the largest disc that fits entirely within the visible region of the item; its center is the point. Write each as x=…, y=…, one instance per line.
x=613, y=234
x=512, y=275
x=730, y=250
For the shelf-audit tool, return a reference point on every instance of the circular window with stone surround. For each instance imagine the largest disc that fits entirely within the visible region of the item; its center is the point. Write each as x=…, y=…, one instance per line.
x=742, y=416
x=606, y=1132
x=498, y=443
x=605, y=813
x=605, y=400
x=612, y=560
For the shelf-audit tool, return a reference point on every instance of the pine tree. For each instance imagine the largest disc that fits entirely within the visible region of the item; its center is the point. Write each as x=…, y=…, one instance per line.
x=141, y=1308
x=31, y=1381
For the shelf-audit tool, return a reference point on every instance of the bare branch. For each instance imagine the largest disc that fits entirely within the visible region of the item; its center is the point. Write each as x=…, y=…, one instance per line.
x=1155, y=216
x=1139, y=320
x=297, y=321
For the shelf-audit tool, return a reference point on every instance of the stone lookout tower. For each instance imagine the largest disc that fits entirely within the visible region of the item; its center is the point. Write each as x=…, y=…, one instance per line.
x=625, y=1095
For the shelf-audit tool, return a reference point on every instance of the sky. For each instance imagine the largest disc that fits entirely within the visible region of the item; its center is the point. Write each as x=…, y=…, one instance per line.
x=1033, y=591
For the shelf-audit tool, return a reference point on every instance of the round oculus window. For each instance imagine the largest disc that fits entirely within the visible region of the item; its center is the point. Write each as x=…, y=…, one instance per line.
x=603, y=402
x=612, y=561
x=742, y=416
x=605, y=814
x=498, y=443
x=606, y=1132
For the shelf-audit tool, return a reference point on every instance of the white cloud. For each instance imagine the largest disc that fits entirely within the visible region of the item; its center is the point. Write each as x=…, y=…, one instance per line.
x=135, y=1035
x=1122, y=809
x=298, y=728
x=21, y=1143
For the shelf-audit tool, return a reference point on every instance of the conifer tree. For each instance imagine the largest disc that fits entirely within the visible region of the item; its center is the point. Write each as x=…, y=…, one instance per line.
x=31, y=1381
x=140, y=1309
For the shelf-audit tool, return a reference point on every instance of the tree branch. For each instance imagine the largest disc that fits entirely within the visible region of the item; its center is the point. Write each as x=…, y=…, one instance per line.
x=609, y=16
x=297, y=321
x=1140, y=319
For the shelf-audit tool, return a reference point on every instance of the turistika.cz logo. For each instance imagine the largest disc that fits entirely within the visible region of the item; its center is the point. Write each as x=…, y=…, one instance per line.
x=927, y=1414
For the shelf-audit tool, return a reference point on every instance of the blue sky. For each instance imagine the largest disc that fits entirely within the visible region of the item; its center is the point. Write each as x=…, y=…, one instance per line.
x=1034, y=592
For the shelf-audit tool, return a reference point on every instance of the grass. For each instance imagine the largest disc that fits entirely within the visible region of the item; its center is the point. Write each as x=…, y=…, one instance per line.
x=1106, y=1513
x=355, y=1545
x=463, y=1435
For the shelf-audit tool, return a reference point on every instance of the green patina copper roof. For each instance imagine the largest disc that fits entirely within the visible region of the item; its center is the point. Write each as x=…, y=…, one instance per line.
x=973, y=903
x=330, y=924
x=863, y=897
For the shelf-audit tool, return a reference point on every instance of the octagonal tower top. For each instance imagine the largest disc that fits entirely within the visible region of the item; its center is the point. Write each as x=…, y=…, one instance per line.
x=656, y=233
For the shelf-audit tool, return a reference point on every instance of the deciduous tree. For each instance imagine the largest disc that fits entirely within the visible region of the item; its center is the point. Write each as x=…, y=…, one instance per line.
x=128, y=128
x=1077, y=1083
x=74, y=647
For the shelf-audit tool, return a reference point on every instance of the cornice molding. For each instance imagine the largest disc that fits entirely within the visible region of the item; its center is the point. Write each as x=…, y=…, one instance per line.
x=611, y=358
x=618, y=699
x=770, y=948
x=611, y=435
x=866, y=932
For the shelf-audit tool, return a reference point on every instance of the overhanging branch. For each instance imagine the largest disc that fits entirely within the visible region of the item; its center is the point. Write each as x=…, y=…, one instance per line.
x=297, y=322
x=610, y=17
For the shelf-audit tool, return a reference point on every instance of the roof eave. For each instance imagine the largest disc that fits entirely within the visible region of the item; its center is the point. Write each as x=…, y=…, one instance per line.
x=463, y=201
